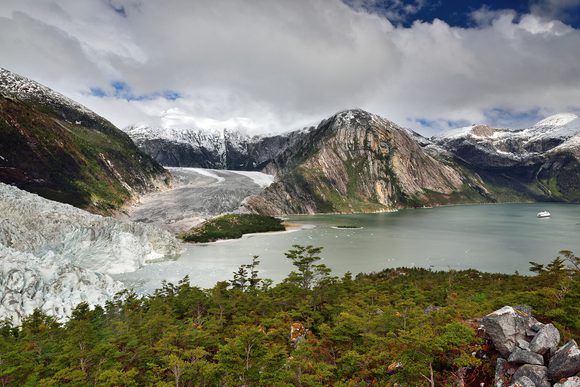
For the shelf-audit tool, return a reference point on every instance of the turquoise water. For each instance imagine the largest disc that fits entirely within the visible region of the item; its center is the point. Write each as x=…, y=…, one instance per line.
x=494, y=238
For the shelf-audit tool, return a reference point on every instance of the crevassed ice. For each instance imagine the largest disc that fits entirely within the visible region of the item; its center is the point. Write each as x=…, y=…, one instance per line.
x=78, y=251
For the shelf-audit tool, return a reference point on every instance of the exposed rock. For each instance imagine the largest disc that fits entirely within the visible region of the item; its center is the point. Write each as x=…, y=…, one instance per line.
x=537, y=326
x=523, y=344
x=521, y=356
x=359, y=162
x=536, y=373
x=431, y=309
x=297, y=333
x=505, y=327
x=524, y=381
x=546, y=338
x=503, y=372
x=565, y=362
x=574, y=381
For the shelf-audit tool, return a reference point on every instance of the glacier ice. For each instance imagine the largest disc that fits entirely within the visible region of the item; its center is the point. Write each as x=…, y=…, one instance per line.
x=53, y=255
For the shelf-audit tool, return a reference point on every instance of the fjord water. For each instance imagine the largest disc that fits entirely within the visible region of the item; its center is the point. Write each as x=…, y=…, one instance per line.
x=494, y=238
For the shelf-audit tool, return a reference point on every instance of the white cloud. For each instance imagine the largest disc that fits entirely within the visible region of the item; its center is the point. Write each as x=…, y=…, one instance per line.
x=554, y=8
x=278, y=65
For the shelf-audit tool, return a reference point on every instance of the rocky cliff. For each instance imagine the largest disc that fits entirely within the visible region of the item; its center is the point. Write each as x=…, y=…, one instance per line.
x=359, y=162
x=59, y=149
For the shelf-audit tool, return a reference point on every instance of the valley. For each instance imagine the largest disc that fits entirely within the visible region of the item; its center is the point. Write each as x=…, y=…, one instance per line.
x=349, y=193
x=197, y=195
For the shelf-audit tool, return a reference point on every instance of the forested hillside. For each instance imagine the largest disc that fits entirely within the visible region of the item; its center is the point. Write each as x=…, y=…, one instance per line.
x=311, y=329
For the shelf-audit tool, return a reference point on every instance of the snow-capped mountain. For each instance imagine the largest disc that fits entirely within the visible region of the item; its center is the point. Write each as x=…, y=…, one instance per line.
x=191, y=147
x=219, y=149
x=54, y=255
x=482, y=145
x=541, y=162
x=15, y=86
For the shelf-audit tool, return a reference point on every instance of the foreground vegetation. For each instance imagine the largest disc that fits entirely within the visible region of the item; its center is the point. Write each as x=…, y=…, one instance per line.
x=382, y=328
x=232, y=226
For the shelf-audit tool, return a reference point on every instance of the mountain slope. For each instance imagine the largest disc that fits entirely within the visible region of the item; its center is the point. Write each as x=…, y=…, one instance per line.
x=59, y=149
x=537, y=163
x=359, y=162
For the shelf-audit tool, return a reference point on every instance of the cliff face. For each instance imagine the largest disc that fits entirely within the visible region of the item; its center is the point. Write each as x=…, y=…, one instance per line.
x=360, y=162
x=57, y=148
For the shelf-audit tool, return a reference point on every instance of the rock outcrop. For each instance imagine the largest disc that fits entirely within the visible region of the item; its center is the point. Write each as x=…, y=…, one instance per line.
x=531, y=349
x=507, y=327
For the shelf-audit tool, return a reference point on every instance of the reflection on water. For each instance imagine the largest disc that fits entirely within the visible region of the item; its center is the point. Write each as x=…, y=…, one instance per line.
x=494, y=238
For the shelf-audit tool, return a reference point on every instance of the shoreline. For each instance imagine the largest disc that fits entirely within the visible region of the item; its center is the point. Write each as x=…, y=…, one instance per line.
x=290, y=228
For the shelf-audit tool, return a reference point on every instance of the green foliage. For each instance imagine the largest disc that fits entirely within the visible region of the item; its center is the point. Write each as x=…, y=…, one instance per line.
x=374, y=329
x=232, y=226
x=309, y=273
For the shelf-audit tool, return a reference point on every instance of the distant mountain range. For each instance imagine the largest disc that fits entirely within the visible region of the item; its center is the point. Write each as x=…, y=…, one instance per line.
x=61, y=150
x=537, y=163
x=356, y=161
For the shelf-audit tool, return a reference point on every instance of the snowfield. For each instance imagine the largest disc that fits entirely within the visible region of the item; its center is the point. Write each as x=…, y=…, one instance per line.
x=53, y=256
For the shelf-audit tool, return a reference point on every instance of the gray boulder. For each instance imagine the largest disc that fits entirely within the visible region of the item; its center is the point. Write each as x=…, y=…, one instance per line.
x=503, y=371
x=536, y=373
x=523, y=344
x=565, y=362
x=546, y=338
x=506, y=326
x=574, y=381
x=522, y=356
x=524, y=381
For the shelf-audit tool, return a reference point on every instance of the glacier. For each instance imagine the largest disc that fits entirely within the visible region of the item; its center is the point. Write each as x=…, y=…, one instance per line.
x=53, y=255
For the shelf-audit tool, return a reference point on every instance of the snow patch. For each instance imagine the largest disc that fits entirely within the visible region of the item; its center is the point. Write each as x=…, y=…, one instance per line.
x=207, y=172
x=557, y=120
x=262, y=179
x=16, y=86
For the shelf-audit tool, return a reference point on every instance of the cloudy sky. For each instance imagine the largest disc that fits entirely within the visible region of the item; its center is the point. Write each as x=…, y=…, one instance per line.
x=271, y=66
